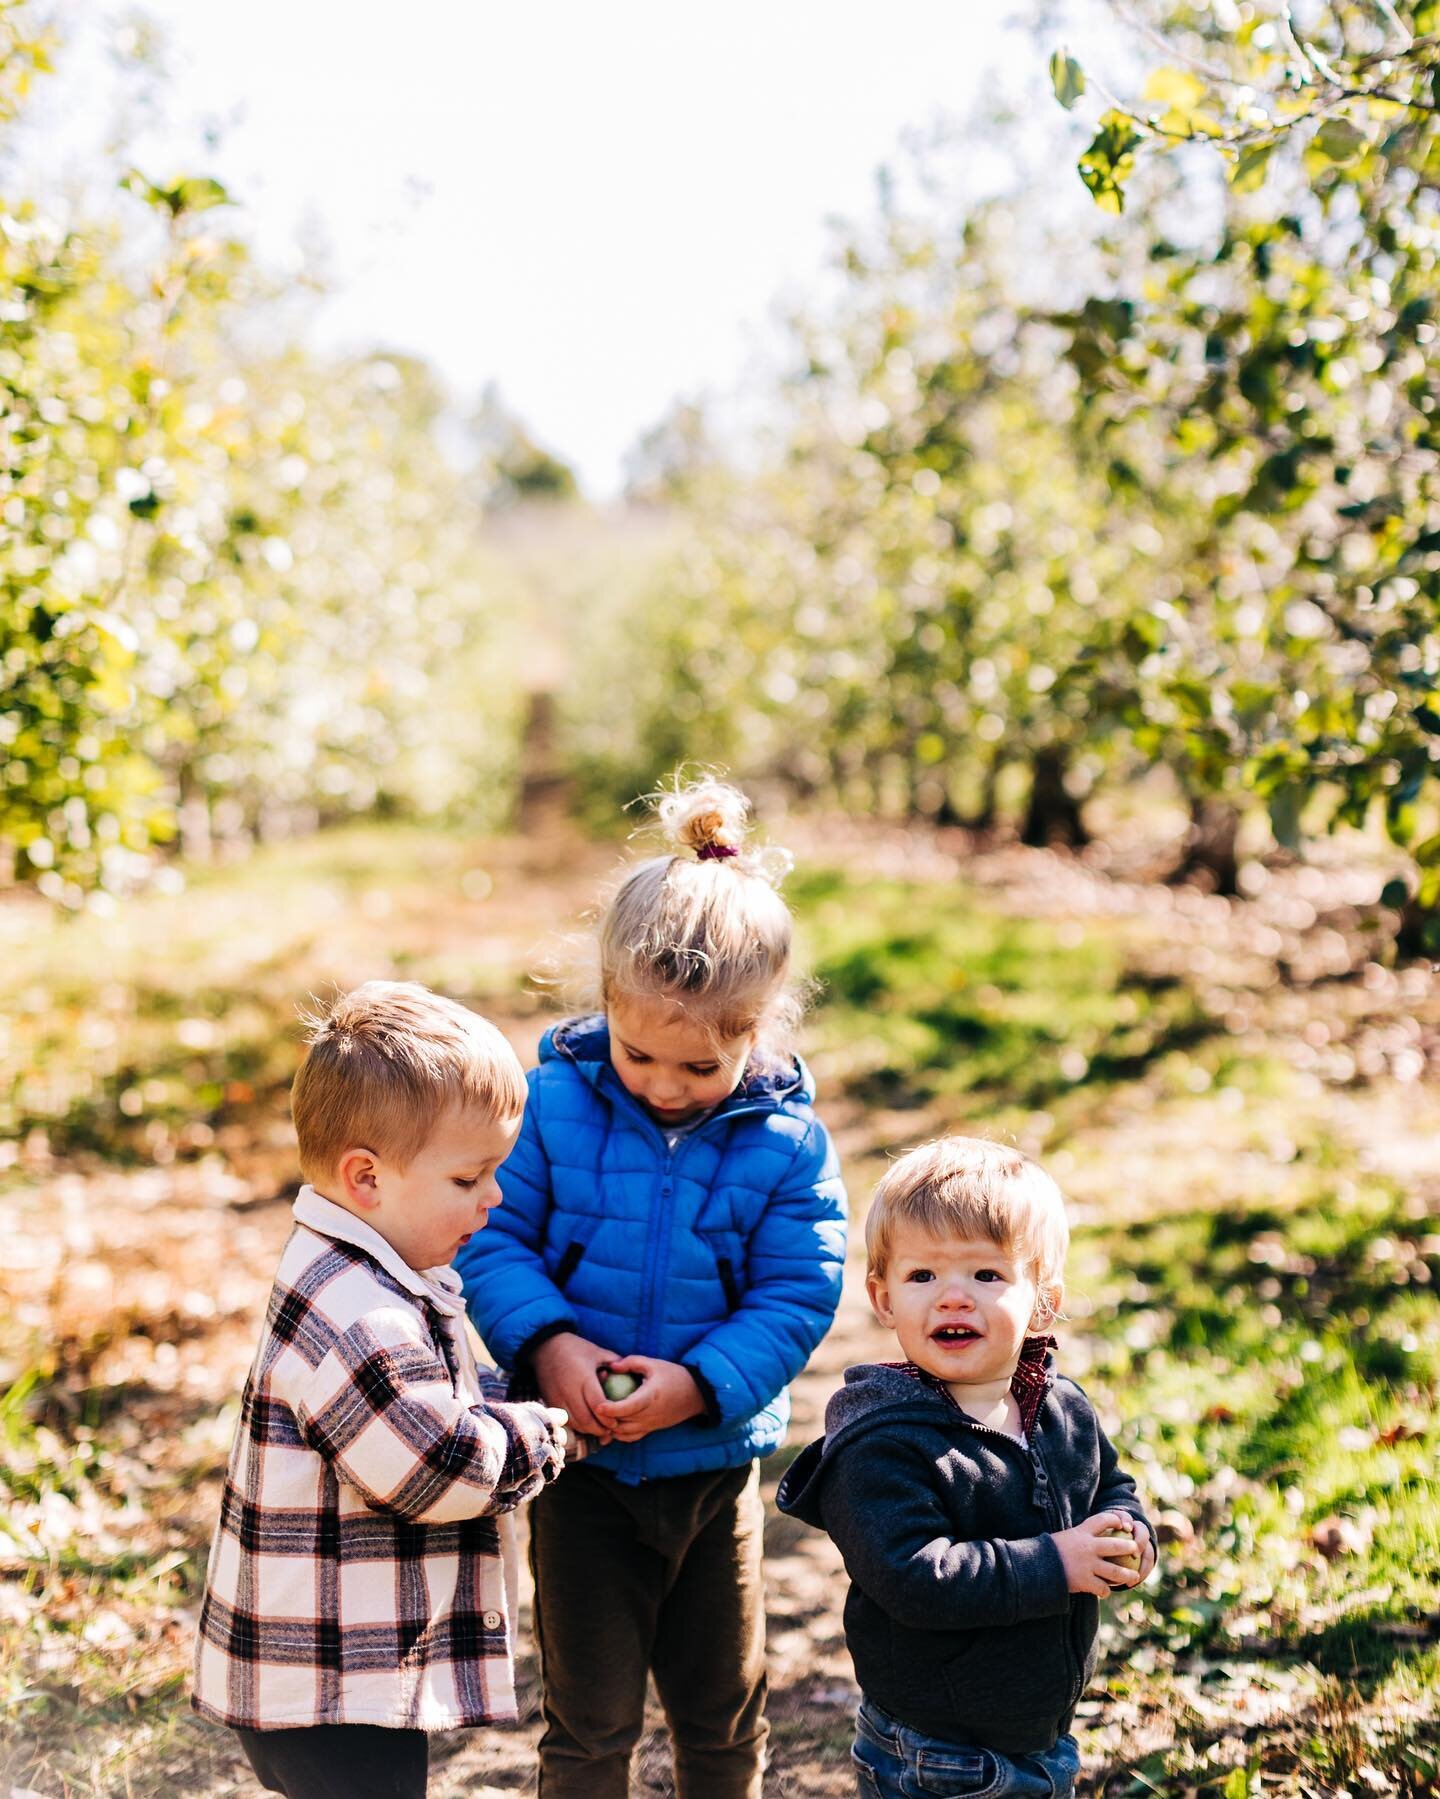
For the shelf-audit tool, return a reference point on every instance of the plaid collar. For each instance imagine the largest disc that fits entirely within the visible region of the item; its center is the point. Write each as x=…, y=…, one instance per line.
x=1029, y=1384
x=440, y=1286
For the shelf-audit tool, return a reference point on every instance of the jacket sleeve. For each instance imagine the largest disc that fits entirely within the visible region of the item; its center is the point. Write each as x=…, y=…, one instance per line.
x=880, y=1505
x=510, y=1296
x=796, y=1259
x=379, y=1406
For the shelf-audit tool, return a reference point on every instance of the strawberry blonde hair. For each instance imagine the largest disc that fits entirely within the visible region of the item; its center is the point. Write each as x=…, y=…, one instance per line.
x=705, y=927
x=970, y=1187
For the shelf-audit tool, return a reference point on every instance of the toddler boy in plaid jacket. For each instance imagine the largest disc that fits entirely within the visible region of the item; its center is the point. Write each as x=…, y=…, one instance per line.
x=356, y=1592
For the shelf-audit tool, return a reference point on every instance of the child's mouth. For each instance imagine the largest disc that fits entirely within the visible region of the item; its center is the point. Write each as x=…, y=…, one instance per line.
x=954, y=1333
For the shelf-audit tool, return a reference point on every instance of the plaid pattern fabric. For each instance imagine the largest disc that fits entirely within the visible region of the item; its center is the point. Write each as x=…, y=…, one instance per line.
x=356, y=1574
x=1031, y=1381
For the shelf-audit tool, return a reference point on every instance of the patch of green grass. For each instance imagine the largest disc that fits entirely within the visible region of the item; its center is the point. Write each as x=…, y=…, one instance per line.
x=145, y=1035
x=1272, y=1364
x=929, y=993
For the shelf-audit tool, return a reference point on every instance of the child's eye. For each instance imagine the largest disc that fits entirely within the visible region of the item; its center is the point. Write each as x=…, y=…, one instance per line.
x=635, y=1056
x=704, y=1072
x=989, y=1274
x=466, y=1185
x=920, y=1274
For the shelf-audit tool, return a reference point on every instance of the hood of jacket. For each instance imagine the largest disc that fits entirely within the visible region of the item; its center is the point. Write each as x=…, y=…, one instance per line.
x=873, y=1394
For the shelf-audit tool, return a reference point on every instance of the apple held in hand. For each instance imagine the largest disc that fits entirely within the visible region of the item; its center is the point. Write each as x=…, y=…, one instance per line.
x=616, y=1386
x=1121, y=1530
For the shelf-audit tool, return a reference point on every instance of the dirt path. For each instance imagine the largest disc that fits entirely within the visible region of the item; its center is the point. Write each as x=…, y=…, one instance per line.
x=145, y=1288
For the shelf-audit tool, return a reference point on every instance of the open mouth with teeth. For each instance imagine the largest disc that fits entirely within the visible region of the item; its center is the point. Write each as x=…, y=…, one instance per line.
x=953, y=1333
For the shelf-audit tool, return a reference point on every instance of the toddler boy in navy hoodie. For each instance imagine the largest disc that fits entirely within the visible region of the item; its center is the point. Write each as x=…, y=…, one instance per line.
x=980, y=1508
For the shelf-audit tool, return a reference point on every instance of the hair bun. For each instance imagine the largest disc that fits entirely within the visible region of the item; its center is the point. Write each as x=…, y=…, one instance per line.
x=706, y=814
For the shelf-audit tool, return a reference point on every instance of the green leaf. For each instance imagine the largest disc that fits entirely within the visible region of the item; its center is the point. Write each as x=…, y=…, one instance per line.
x=1108, y=161
x=1247, y=173
x=1427, y=854
x=1237, y=1784
x=1338, y=140
x=197, y=193
x=1067, y=78
x=192, y=193
x=1395, y=894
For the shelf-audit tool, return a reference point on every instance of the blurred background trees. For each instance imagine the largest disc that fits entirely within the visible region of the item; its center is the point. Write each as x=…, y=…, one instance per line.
x=1040, y=507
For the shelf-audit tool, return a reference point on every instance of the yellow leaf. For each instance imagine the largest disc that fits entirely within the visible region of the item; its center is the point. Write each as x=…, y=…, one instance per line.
x=1196, y=124
x=1176, y=88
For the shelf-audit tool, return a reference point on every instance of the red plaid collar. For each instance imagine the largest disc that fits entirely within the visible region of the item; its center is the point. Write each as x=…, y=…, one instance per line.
x=1030, y=1382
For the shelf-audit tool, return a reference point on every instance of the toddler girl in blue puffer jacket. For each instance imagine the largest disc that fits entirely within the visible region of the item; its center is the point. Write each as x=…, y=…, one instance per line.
x=673, y=1213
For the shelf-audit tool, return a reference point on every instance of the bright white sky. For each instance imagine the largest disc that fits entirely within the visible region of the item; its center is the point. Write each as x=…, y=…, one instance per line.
x=595, y=206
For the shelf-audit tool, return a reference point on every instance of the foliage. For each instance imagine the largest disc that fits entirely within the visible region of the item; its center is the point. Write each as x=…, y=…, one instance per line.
x=1280, y=371
x=515, y=468
x=918, y=590
x=239, y=588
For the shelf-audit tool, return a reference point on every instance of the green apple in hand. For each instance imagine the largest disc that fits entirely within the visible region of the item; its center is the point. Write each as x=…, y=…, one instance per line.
x=616, y=1386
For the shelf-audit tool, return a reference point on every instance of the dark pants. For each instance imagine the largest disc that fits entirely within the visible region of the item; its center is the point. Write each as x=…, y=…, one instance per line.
x=339, y=1761
x=662, y=1577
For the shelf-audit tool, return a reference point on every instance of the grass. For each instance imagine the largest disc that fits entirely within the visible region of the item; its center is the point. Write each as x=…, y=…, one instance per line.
x=1272, y=1364
x=1252, y=1288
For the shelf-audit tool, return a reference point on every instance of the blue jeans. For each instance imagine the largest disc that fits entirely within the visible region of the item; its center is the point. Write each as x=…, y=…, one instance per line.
x=892, y=1761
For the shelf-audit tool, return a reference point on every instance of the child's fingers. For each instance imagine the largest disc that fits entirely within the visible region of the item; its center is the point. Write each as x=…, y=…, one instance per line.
x=586, y=1414
x=626, y=1408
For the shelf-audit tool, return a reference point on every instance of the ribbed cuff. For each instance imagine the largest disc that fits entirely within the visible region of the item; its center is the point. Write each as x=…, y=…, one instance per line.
x=707, y=1393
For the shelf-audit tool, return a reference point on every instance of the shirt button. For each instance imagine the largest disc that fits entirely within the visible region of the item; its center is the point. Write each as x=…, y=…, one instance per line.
x=492, y=1620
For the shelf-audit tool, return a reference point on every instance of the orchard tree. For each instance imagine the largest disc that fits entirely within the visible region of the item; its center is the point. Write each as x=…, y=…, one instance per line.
x=1283, y=372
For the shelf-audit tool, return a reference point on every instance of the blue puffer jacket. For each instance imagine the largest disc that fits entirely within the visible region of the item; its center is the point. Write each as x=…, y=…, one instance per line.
x=725, y=1254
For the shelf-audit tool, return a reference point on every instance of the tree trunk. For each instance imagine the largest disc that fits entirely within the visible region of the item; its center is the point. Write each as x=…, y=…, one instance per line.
x=1208, y=857
x=1052, y=818
x=981, y=819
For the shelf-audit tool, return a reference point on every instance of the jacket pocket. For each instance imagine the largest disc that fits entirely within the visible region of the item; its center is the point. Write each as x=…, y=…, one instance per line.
x=570, y=1259
x=727, y=1247
x=1001, y=1674
x=729, y=1282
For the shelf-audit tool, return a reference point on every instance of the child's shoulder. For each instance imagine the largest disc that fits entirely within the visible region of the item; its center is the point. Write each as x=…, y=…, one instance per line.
x=325, y=1288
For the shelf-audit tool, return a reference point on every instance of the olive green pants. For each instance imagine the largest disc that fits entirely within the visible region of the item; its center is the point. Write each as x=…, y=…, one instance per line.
x=662, y=1577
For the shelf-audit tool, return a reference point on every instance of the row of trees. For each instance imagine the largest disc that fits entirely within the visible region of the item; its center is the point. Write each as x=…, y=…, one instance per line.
x=1048, y=512
x=241, y=586
x=1044, y=508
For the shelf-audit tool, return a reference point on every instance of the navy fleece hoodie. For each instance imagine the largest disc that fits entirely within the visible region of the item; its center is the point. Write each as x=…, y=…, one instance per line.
x=959, y=1620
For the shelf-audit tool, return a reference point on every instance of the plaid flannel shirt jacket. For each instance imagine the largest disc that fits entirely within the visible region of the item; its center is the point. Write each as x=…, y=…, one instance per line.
x=356, y=1574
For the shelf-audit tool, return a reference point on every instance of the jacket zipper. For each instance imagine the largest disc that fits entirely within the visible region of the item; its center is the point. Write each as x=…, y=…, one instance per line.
x=1040, y=1484
x=657, y=1248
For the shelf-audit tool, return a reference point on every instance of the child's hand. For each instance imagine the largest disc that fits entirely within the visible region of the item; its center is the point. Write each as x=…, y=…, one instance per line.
x=1093, y=1561
x=667, y=1395
x=557, y=1418
x=565, y=1368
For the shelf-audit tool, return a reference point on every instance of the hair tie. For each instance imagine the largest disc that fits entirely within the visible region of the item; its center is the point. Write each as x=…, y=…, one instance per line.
x=715, y=852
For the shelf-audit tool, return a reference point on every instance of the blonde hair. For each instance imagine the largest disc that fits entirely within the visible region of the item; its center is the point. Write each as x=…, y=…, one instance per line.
x=383, y=1066
x=970, y=1187
x=705, y=927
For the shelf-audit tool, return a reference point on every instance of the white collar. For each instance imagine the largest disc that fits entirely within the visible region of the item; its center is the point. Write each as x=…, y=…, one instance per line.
x=440, y=1285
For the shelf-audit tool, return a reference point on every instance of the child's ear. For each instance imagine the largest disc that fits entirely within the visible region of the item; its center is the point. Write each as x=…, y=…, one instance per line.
x=358, y=1172
x=1047, y=1308
x=878, y=1294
